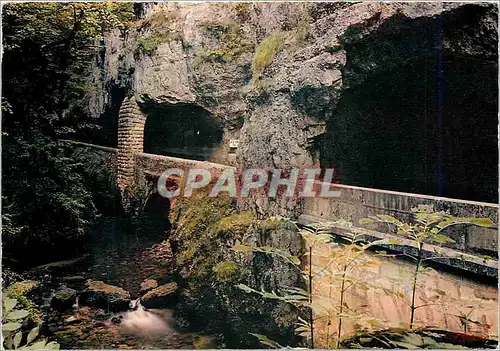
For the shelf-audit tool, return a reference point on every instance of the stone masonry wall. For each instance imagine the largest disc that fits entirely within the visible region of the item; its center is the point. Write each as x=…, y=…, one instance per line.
x=130, y=140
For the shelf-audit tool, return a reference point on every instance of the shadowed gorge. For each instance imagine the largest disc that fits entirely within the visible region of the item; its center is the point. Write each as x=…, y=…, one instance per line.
x=419, y=112
x=391, y=132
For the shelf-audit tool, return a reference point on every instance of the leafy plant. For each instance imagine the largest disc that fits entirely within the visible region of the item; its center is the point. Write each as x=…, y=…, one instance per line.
x=48, y=52
x=340, y=264
x=13, y=335
x=427, y=229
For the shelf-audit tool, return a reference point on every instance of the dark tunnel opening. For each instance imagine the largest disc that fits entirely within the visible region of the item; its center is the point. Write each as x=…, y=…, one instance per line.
x=425, y=124
x=185, y=131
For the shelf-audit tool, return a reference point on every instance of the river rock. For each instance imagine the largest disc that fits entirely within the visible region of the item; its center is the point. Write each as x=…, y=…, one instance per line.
x=63, y=299
x=147, y=285
x=76, y=282
x=162, y=296
x=101, y=295
x=71, y=320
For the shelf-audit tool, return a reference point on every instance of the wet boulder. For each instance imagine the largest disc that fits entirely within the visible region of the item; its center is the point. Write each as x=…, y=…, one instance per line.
x=76, y=282
x=162, y=296
x=101, y=295
x=63, y=299
x=147, y=285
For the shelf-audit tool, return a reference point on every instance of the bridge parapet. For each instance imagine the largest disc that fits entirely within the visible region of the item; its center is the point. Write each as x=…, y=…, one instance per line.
x=355, y=203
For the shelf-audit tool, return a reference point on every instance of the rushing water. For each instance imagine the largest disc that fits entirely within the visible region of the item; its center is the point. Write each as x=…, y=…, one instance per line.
x=141, y=322
x=121, y=254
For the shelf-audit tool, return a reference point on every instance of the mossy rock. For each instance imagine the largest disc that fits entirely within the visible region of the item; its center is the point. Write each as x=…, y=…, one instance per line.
x=148, y=284
x=161, y=297
x=76, y=282
x=60, y=266
x=226, y=271
x=63, y=299
x=101, y=295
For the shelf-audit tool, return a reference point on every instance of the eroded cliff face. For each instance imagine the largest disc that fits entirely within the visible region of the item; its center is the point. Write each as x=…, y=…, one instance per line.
x=289, y=80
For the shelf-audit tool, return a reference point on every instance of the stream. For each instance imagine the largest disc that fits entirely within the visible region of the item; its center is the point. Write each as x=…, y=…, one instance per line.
x=124, y=255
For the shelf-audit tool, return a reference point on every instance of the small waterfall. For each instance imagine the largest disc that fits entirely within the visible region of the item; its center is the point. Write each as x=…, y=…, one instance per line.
x=148, y=323
x=76, y=305
x=134, y=304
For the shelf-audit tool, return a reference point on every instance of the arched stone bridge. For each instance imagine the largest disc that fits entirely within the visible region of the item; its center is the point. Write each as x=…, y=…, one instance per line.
x=128, y=161
x=131, y=163
x=130, y=153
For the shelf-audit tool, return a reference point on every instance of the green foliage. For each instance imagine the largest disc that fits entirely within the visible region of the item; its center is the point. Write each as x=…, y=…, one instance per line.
x=346, y=266
x=264, y=340
x=226, y=271
x=268, y=250
x=418, y=339
x=205, y=229
x=232, y=42
x=158, y=32
x=204, y=342
x=273, y=44
x=266, y=52
x=205, y=225
x=18, y=291
x=13, y=335
x=48, y=52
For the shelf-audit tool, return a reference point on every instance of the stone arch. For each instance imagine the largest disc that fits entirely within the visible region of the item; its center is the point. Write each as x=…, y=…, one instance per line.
x=181, y=129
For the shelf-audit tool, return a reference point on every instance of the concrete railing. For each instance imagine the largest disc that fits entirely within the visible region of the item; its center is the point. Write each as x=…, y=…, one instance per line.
x=354, y=203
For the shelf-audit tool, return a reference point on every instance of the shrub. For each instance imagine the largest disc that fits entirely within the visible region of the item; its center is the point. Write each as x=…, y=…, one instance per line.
x=266, y=51
x=13, y=320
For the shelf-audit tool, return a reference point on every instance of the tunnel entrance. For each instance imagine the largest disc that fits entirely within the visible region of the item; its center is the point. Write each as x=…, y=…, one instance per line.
x=181, y=130
x=426, y=123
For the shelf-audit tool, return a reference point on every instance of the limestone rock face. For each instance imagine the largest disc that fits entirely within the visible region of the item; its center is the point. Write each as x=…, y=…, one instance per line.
x=160, y=297
x=203, y=56
x=101, y=295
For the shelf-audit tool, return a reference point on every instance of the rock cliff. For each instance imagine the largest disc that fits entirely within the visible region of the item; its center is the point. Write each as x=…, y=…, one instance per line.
x=281, y=78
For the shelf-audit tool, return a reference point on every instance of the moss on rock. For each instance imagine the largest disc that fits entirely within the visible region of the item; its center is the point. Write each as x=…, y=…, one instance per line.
x=205, y=230
x=101, y=295
x=226, y=271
